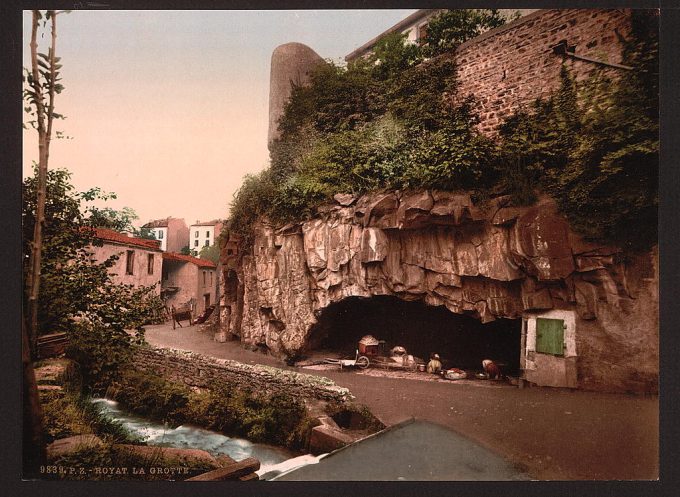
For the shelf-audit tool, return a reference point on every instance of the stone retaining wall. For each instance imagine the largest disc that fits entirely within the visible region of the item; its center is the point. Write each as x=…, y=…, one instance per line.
x=509, y=67
x=196, y=370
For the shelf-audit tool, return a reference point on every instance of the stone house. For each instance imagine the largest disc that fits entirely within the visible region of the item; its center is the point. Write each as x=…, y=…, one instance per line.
x=186, y=278
x=172, y=232
x=204, y=234
x=139, y=262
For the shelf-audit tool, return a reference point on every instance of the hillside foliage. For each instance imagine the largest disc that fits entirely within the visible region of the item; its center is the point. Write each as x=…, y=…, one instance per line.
x=391, y=122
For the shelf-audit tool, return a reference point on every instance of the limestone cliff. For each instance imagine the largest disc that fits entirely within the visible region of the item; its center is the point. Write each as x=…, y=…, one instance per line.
x=487, y=262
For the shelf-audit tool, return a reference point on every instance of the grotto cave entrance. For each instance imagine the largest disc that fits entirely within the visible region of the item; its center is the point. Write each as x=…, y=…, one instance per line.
x=461, y=341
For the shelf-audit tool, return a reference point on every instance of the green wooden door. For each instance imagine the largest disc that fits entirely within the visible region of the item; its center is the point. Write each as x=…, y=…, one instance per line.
x=550, y=336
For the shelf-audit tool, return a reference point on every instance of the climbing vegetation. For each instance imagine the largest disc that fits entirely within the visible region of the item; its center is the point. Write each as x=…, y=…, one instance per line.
x=594, y=147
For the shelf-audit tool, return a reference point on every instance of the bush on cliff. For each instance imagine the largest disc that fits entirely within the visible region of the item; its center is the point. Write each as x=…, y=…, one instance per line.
x=360, y=129
x=385, y=122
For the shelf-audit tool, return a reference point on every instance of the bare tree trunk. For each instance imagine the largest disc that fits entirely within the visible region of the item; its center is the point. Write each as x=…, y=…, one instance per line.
x=44, y=138
x=33, y=441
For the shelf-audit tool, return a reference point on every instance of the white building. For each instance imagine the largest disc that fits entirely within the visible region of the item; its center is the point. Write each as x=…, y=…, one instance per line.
x=204, y=234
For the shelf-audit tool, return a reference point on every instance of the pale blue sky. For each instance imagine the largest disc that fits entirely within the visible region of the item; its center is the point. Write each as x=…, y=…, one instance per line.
x=169, y=109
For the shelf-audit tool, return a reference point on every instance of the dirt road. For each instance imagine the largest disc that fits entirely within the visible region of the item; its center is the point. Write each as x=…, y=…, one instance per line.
x=554, y=434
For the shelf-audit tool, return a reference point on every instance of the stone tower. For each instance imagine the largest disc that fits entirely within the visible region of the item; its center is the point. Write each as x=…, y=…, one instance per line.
x=292, y=63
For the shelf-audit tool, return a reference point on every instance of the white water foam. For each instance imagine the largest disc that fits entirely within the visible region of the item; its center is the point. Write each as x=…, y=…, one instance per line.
x=194, y=437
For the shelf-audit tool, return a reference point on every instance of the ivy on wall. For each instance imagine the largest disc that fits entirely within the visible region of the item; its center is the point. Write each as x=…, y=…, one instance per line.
x=594, y=147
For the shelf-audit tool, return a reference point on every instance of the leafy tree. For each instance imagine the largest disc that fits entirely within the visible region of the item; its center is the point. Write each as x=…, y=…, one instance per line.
x=185, y=250
x=41, y=86
x=107, y=217
x=451, y=28
x=78, y=295
x=146, y=233
x=70, y=278
x=211, y=253
x=392, y=55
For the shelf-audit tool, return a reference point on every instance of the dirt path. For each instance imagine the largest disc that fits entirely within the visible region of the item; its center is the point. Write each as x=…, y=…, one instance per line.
x=555, y=434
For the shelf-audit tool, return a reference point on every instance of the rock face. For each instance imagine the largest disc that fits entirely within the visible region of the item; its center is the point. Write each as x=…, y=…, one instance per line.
x=439, y=248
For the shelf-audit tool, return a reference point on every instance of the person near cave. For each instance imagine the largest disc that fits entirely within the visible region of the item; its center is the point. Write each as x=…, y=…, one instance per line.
x=492, y=369
x=435, y=365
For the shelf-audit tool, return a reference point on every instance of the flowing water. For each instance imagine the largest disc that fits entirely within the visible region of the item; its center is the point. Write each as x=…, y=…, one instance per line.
x=272, y=459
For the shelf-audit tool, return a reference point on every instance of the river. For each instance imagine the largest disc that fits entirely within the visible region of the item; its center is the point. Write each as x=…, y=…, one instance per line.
x=272, y=459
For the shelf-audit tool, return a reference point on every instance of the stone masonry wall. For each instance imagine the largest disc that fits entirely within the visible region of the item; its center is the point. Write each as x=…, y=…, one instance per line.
x=512, y=66
x=196, y=370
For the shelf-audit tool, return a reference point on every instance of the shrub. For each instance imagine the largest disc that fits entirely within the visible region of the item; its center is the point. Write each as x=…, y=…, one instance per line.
x=151, y=396
x=277, y=419
x=594, y=148
x=451, y=28
x=367, y=127
x=393, y=125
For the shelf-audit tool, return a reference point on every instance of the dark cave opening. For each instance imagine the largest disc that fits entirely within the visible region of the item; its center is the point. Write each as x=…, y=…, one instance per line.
x=461, y=341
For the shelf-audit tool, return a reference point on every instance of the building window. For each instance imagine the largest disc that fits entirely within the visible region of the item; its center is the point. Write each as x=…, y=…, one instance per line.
x=207, y=234
x=196, y=234
x=149, y=263
x=210, y=278
x=207, y=243
x=130, y=262
x=164, y=272
x=550, y=336
x=204, y=278
x=195, y=243
x=160, y=234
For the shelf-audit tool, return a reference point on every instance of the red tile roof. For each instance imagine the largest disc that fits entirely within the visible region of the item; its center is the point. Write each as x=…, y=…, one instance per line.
x=108, y=235
x=173, y=256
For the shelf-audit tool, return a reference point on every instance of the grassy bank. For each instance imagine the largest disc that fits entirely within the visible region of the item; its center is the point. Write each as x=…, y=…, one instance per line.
x=274, y=419
x=110, y=451
x=67, y=412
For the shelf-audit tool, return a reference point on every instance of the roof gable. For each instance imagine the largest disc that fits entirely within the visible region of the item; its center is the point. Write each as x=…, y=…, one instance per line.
x=108, y=235
x=173, y=256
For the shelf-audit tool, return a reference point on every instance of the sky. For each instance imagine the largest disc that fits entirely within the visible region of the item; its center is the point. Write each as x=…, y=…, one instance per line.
x=169, y=109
